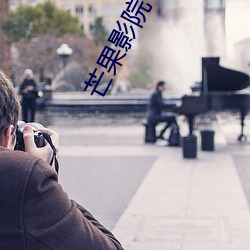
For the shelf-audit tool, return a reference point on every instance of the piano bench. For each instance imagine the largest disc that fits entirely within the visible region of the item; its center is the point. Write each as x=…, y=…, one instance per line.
x=150, y=132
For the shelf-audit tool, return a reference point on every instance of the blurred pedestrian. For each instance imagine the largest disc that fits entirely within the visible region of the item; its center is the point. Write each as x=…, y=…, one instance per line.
x=29, y=91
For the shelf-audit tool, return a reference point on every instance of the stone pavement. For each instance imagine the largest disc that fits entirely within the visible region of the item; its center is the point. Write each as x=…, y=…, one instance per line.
x=176, y=203
x=189, y=204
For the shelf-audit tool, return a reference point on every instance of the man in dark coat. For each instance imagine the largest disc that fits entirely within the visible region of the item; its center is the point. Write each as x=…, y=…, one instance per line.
x=29, y=91
x=155, y=107
x=35, y=212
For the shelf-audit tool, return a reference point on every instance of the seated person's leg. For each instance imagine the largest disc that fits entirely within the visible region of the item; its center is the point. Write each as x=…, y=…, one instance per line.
x=172, y=120
x=169, y=121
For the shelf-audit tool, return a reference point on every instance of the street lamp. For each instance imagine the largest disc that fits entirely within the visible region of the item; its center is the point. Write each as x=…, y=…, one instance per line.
x=64, y=51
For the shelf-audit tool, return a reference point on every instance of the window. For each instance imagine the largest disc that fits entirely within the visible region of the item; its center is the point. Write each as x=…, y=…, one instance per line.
x=79, y=10
x=92, y=10
x=91, y=27
x=82, y=26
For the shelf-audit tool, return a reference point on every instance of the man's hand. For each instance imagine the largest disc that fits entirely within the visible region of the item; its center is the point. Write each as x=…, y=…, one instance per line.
x=45, y=153
x=28, y=89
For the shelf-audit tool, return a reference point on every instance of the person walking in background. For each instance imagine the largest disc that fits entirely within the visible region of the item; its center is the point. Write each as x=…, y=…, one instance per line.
x=154, y=110
x=29, y=92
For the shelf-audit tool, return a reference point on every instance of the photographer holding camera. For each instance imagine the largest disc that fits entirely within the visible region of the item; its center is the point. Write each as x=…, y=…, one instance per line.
x=35, y=212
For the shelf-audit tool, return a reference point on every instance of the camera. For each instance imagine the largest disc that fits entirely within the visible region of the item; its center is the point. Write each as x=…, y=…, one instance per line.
x=38, y=137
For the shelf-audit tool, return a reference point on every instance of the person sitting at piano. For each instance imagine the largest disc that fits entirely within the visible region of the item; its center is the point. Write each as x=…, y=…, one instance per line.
x=155, y=107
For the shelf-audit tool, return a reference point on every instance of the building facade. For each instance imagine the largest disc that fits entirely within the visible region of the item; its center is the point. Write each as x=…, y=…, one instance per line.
x=88, y=10
x=13, y=4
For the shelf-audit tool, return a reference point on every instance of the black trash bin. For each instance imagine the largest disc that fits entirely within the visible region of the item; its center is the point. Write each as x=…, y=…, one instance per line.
x=207, y=140
x=189, y=146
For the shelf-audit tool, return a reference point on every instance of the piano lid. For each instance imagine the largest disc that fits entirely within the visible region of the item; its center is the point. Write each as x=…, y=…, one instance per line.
x=218, y=78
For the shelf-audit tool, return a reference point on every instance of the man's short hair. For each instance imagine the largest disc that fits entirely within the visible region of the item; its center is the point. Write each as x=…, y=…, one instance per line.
x=159, y=84
x=9, y=104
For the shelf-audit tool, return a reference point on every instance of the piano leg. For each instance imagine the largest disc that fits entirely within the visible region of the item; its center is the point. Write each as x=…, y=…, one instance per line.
x=190, y=123
x=243, y=114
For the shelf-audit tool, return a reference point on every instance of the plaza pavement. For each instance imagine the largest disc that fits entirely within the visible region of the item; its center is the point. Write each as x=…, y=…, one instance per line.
x=177, y=203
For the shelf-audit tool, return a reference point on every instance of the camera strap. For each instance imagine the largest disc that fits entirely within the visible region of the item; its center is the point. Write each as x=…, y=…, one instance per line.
x=48, y=139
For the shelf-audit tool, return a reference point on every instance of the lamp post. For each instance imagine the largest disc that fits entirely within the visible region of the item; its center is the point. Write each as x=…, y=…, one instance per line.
x=64, y=51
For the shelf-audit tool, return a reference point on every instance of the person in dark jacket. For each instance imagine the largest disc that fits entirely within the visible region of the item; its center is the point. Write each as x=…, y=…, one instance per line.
x=29, y=91
x=35, y=212
x=155, y=107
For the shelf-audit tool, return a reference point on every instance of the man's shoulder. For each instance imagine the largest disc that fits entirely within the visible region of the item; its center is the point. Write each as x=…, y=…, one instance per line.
x=156, y=95
x=15, y=160
x=16, y=169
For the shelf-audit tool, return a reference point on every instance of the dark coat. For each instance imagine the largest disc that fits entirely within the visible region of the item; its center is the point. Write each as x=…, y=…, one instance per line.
x=31, y=94
x=155, y=104
x=36, y=214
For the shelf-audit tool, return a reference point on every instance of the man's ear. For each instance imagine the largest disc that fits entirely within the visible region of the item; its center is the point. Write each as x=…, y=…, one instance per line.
x=7, y=139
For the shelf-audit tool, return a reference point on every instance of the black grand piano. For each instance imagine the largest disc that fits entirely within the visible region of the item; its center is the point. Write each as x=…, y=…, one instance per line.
x=220, y=89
